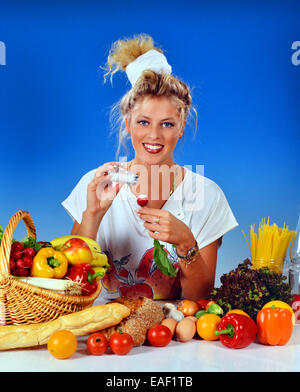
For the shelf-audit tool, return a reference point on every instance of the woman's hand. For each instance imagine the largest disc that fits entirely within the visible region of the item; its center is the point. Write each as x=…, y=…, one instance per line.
x=168, y=228
x=197, y=281
x=100, y=192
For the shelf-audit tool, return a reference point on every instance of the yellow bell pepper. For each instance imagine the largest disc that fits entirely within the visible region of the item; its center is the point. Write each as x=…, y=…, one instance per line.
x=49, y=263
x=238, y=311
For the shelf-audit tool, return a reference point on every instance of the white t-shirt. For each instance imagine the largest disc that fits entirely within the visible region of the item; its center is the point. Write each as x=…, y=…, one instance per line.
x=197, y=201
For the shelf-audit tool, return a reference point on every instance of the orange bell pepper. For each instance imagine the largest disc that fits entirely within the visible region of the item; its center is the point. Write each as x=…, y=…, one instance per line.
x=274, y=326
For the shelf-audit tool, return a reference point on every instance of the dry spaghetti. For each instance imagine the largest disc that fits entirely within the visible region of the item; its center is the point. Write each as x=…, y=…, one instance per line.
x=268, y=248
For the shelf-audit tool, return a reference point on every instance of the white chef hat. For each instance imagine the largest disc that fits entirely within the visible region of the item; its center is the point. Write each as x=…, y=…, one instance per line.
x=151, y=60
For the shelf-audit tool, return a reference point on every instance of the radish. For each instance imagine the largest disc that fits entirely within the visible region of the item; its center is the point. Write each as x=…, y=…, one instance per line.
x=142, y=200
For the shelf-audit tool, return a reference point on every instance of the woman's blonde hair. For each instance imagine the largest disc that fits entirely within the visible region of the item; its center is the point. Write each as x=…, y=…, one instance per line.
x=150, y=83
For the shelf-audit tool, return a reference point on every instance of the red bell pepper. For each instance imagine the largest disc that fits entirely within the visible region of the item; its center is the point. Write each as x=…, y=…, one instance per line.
x=236, y=330
x=85, y=275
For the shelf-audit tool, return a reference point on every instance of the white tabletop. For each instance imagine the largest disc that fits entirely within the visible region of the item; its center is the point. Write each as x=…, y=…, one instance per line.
x=196, y=355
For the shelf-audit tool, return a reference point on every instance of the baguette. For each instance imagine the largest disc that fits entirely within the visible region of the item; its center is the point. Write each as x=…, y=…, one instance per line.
x=92, y=319
x=144, y=314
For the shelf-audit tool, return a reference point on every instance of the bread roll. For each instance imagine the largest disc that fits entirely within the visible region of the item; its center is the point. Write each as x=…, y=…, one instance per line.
x=80, y=323
x=144, y=314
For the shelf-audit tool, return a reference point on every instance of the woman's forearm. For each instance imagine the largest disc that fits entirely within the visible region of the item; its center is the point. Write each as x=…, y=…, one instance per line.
x=197, y=279
x=89, y=225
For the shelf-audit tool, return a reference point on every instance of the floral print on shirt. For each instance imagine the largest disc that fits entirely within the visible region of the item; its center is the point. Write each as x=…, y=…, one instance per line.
x=147, y=280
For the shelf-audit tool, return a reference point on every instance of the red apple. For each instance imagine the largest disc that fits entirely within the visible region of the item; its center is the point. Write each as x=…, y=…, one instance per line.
x=77, y=251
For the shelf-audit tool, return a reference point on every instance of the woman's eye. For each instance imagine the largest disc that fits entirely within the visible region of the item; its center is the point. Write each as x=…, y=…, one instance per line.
x=167, y=124
x=143, y=122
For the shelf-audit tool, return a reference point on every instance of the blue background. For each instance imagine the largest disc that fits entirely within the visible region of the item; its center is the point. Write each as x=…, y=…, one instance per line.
x=236, y=57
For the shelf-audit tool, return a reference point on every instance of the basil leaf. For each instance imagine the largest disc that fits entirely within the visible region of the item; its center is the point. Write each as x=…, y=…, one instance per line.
x=161, y=260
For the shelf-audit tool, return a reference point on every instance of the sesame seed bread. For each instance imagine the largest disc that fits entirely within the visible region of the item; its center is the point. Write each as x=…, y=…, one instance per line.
x=144, y=314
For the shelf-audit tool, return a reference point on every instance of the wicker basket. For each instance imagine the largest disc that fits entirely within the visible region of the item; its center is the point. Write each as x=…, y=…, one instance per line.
x=23, y=303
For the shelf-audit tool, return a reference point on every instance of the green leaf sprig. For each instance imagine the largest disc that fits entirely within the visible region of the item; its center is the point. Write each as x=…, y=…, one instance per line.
x=30, y=242
x=161, y=260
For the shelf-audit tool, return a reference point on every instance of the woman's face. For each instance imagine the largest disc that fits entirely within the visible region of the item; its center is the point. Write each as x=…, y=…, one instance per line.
x=154, y=126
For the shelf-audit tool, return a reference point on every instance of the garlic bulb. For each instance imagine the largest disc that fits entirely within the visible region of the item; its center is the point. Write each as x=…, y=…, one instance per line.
x=170, y=311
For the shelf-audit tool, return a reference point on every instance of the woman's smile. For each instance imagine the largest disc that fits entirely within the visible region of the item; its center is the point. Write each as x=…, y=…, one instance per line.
x=153, y=148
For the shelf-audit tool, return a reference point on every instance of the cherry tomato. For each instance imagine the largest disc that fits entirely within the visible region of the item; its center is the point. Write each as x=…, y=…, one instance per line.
x=202, y=303
x=159, y=335
x=207, y=325
x=97, y=343
x=120, y=343
x=62, y=344
x=188, y=307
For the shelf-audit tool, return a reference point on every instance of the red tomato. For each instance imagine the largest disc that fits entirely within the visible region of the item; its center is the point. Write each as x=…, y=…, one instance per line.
x=97, y=343
x=120, y=343
x=202, y=303
x=159, y=335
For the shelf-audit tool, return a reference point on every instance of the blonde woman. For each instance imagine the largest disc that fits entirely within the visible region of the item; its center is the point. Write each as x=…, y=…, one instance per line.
x=189, y=224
